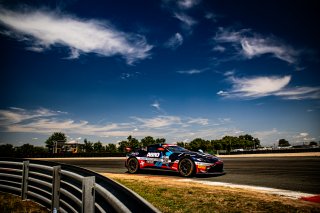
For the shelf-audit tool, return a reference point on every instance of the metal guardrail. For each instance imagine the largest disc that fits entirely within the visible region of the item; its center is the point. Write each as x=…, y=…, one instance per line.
x=66, y=188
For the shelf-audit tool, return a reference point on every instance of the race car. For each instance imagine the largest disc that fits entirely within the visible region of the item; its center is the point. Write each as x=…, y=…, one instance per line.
x=174, y=158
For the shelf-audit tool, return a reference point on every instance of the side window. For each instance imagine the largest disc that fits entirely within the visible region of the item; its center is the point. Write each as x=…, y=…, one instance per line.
x=153, y=148
x=153, y=152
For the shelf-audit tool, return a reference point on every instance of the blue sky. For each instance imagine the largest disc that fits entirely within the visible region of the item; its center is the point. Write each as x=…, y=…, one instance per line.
x=174, y=69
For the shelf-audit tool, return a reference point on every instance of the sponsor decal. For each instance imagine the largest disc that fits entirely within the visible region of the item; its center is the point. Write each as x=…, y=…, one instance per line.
x=166, y=159
x=142, y=163
x=158, y=164
x=153, y=154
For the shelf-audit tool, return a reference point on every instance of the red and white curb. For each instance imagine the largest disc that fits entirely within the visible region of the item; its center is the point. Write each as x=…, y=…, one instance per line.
x=267, y=190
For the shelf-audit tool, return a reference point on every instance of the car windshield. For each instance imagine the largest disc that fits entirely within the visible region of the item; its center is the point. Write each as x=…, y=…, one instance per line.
x=177, y=149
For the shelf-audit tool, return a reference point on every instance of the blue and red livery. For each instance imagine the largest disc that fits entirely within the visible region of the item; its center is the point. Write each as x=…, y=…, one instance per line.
x=175, y=158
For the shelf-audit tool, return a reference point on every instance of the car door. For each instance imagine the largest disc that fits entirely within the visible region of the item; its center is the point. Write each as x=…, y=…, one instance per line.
x=155, y=155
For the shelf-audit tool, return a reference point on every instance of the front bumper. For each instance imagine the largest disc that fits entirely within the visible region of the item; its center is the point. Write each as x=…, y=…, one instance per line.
x=209, y=168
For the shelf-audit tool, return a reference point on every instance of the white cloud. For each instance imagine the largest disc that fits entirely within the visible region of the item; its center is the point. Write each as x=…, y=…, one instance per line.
x=303, y=137
x=42, y=122
x=45, y=29
x=158, y=122
x=175, y=41
x=187, y=4
x=253, y=47
x=187, y=20
x=192, y=71
x=200, y=121
x=16, y=115
x=261, y=86
x=156, y=105
x=219, y=48
x=299, y=93
x=304, y=134
x=250, y=45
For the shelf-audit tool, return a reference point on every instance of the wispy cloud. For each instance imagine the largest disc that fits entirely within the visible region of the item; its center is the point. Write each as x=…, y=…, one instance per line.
x=188, y=21
x=17, y=115
x=175, y=41
x=175, y=128
x=180, y=4
x=261, y=86
x=299, y=93
x=200, y=121
x=156, y=105
x=187, y=4
x=249, y=45
x=192, y=71
x=43, y=29
x=159, y=121
x=125, y=76
x=219, y=48
x=45, y=121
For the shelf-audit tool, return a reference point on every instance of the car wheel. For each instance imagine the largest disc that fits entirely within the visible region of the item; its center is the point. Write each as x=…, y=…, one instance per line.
x=186, y=167
x=133, y=165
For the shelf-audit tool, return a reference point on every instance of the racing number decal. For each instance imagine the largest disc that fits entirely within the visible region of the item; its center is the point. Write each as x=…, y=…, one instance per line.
x=153, y=154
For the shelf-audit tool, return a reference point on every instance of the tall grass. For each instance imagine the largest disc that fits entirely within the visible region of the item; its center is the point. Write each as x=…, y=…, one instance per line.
x=13, y=204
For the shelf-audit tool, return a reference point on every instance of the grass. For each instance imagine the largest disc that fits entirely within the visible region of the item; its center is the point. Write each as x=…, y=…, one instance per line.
x=13, y=204
x=168, y=195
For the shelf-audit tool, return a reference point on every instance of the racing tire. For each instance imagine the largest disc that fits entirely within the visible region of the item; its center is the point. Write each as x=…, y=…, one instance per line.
x=186, y=167
x=133, y=165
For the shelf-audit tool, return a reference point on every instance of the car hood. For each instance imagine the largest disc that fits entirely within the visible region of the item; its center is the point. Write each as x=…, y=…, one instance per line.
x=199, y=156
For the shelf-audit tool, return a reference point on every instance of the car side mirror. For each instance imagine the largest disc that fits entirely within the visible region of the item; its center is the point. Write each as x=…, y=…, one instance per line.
x=160, y=149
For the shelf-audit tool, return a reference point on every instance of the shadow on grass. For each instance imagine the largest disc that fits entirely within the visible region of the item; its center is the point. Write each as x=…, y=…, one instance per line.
x=170, y=173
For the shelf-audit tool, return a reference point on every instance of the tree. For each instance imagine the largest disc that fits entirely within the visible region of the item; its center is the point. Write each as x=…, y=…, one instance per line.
x=313, y=143
x=6, y=150
x=132, y=142
x=111, y=148
x=182, y=144
x=98, y=147
x=160, y=140
x=55, y=137
x=88, y=146
x=147, y=141
x=26, y=150
x=122, y=146
x=216, y=144
x=248, y=141
x=283, y=143
x=199, y=143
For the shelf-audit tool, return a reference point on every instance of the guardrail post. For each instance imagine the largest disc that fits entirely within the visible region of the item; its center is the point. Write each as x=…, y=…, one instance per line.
x=88, y=194
x=55, y=205
x=24, y=183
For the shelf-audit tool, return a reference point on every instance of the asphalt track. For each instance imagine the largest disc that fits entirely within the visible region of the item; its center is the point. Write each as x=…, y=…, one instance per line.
x=300, y=174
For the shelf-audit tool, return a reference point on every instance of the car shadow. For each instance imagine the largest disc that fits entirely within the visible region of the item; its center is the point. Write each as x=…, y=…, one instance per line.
x=158, y=172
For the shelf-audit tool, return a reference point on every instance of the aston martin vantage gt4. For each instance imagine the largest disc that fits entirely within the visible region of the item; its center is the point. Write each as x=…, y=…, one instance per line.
x=174, y=158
